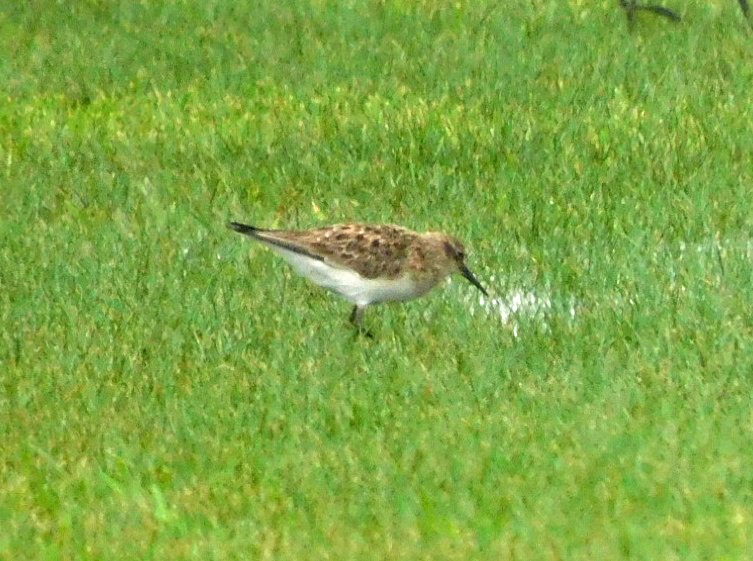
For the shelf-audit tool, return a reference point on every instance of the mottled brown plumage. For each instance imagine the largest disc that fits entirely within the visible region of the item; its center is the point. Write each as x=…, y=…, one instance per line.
x=373, y=251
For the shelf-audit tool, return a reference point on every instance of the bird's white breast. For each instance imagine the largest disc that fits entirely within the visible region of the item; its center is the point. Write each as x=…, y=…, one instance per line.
x=349, y=284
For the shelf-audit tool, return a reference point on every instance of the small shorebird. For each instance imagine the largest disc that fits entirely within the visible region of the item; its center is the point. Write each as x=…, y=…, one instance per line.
x=367, y=263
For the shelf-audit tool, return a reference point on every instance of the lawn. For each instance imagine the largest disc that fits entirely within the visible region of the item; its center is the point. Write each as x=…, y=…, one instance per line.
x=170, y=390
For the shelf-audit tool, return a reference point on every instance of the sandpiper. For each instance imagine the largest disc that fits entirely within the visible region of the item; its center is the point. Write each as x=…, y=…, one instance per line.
x=367, y=263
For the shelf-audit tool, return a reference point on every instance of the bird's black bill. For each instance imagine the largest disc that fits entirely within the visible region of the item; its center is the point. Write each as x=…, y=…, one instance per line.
x=472, y=279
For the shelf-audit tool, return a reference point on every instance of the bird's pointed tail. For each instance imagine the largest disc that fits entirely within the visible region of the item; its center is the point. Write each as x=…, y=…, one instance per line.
x=245, y=229
x=274, y=239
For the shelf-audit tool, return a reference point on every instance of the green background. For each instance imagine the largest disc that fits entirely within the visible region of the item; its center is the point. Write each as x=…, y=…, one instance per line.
x=170, y=391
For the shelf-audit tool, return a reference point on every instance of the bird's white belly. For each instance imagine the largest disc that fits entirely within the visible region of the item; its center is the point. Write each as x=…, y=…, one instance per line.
x=349, y=284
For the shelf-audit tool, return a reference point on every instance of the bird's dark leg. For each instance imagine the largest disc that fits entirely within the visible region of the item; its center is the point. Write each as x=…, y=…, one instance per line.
x=356, y=318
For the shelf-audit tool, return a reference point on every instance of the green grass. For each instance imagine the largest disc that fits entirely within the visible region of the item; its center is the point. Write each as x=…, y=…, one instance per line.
x=170, y=391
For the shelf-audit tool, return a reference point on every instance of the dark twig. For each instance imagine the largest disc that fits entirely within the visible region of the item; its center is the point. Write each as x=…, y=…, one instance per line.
x=631, y=7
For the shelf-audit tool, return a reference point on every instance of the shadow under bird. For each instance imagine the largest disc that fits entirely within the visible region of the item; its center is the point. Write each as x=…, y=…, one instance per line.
x=367, y=263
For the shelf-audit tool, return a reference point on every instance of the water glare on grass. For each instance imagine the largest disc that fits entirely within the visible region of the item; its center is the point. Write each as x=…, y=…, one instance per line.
x=513, y=306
